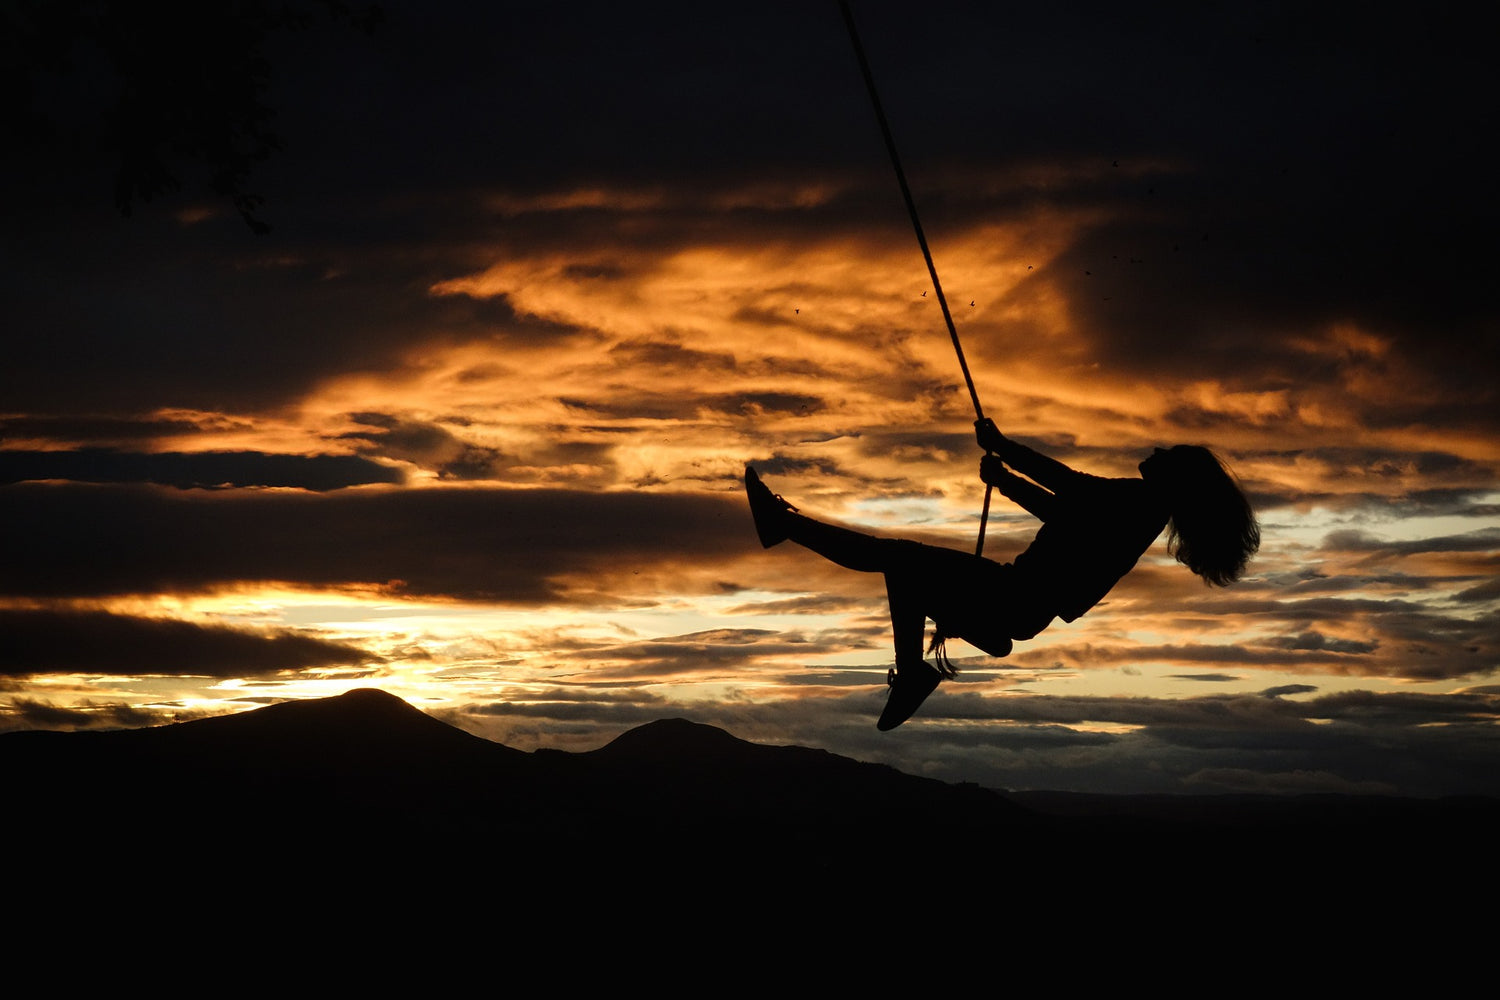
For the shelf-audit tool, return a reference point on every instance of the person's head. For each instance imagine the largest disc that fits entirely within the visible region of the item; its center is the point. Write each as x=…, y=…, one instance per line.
x=1213, y=531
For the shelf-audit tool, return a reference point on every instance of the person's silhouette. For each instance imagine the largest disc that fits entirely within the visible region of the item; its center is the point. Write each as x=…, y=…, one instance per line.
x=1093, y=532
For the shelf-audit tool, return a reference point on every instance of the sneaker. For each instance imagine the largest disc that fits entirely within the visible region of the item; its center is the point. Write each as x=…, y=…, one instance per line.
x=768, y=509
x=910, y=686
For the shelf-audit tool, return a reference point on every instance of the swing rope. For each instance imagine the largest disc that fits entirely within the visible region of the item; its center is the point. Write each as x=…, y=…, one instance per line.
x=916, y=222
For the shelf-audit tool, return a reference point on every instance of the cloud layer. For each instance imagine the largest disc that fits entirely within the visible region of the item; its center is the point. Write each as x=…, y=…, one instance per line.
x=470, y=422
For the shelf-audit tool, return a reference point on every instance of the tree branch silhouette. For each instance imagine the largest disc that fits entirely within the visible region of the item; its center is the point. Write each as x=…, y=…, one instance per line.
x=174, y=86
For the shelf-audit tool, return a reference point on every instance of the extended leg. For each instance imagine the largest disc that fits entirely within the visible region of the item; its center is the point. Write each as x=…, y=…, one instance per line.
x=776, y=521
x=849, y=548
x=910, y=569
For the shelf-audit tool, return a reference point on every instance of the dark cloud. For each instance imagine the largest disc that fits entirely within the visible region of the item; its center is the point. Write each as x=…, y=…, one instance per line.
x=95, y=642
x=637, y=711
x=1270, y=134
x=1288, y=689
x=1469, y=501
x=636, y=405
x=441, y=447
x=465, y=543
x=1209, y=712
x=786, y=465
x=664, y=355
x=1355, y=540
x=95, y=430
x=1482, y=593
x=1407, y=707
x=1238, y=184
x=27, y=713
x=1301, y=209
x=1316, y=640
x=195, y=470
x=717, y=649
x=195, y=325
x=806, y=604
x=1395, y=641
x=428, y=445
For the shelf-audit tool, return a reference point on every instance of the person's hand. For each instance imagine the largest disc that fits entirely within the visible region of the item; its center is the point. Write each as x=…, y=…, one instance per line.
x=992, y=470
x=988, y=435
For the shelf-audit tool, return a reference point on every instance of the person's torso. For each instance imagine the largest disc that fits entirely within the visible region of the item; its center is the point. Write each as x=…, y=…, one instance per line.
x=1099, y=533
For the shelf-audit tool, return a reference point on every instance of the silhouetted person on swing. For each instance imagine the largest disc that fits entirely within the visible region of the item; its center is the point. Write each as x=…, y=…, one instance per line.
x=1093, y=531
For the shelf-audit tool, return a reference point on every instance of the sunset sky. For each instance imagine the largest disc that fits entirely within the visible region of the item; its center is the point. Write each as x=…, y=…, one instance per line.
x=469, y=423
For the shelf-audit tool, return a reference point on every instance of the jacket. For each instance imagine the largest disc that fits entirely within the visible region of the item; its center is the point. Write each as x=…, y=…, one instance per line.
x=1093, y=532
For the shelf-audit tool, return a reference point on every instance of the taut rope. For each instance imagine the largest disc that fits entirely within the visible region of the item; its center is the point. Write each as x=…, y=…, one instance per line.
x=916, y=222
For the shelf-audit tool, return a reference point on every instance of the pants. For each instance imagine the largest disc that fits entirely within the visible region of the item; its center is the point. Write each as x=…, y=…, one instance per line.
x=983, y=602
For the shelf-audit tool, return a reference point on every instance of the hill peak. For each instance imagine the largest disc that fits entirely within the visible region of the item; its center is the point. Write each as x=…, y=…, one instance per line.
x=672, y=737
x=365, y=725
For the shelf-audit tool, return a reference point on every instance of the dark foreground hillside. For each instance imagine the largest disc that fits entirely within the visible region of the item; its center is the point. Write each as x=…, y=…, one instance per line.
x=367, y=769
x=349, y=791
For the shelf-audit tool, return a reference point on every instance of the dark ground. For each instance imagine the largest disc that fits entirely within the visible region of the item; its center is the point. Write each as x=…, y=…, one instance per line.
x=360, y=807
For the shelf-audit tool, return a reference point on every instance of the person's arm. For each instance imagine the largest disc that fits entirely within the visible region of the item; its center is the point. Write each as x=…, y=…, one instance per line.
x=1024, y=492
x=1051, y=473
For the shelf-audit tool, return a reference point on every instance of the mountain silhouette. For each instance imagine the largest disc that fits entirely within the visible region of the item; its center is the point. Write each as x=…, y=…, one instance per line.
x=331, y=792
x=338, y=769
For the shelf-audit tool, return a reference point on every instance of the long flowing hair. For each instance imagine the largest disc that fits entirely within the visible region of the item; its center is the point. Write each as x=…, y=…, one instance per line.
x=1213, y=530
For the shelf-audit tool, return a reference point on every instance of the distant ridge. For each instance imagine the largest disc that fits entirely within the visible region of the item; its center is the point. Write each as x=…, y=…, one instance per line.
x=362, y=727
x=706, y=783
x=664, y=738
x=365, y=777
x=333, y=768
